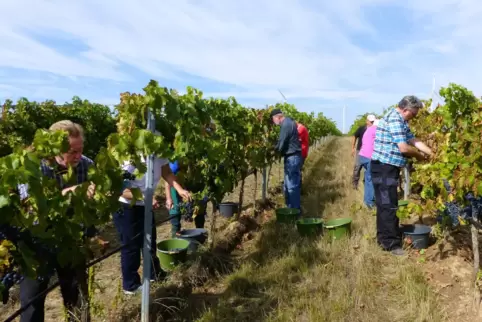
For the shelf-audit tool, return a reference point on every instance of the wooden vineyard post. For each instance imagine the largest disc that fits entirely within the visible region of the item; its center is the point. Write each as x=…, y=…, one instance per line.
x=475, y=249
x=406, y=188
x=264, y=190
x=255, y=192
x=241, y=197
x=213, y=226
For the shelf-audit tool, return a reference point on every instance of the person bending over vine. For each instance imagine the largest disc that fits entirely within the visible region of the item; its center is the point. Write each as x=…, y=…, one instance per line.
x=72, y=277
x=193, y=210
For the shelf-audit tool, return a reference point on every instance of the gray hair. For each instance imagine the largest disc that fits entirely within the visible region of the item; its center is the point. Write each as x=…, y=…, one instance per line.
x=410, y=102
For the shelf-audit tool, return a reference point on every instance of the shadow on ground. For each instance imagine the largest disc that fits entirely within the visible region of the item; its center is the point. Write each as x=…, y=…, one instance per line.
x=277, y=258
x=320, y=184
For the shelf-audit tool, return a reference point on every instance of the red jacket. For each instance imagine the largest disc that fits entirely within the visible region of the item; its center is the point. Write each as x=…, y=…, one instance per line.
x=304, y=139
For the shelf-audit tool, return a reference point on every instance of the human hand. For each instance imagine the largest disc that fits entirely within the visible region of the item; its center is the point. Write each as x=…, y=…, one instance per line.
x=67, y=190
x=98, y=246
x=186, y=195
x=169, y=203
x=91, y=190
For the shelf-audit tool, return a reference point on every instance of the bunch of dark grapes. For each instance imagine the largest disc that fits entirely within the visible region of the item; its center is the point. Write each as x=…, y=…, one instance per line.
x=187, y=210
x=44, y=254
x=128, y=176
x=9, y=276
x=454, y=211
x=474, y=210
x=8, y=280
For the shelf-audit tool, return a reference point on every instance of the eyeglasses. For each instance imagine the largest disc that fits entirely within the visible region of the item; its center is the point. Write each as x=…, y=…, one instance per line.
x=412, y=112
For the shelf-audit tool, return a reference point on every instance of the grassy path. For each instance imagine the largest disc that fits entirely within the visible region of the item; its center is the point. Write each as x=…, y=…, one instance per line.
x=285, y=278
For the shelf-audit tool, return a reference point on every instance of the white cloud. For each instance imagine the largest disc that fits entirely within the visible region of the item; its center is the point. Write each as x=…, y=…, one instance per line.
x=310, y=50
x=19, y=51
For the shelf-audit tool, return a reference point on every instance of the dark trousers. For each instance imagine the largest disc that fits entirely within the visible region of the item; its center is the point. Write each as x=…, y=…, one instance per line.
x=69, y=278
x=385, y=179
x=129, y=222
x=175, y=212
x=356, y=170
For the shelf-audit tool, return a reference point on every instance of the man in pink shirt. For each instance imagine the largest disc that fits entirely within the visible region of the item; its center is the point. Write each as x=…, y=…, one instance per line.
x=368, y=144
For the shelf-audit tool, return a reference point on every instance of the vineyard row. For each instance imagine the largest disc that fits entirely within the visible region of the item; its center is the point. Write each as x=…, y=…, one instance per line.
x=217, y=140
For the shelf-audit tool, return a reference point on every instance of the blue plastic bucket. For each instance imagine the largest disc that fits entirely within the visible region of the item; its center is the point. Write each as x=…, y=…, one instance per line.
x=417, y=235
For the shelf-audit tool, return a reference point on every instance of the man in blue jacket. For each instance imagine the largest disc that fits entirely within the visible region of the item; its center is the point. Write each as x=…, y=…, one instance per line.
x=289, y=147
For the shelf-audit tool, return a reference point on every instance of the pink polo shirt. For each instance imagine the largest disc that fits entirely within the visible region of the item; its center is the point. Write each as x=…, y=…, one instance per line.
x=368, y=142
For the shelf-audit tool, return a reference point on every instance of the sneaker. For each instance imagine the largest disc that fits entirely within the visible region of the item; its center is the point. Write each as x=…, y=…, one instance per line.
x=398, y=252
x=134, y=292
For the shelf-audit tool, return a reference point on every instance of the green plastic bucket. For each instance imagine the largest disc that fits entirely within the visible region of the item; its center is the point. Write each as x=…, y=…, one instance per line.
x=310, y=226
x=172, y=252
x=339, y=227
x=287, y=215
x=402, y=203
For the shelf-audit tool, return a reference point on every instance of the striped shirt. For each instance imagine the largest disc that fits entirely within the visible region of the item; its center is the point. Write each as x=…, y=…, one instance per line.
x=391, y=131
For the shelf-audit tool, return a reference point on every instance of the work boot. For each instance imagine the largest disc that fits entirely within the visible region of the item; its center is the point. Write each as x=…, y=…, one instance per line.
x=398, y=251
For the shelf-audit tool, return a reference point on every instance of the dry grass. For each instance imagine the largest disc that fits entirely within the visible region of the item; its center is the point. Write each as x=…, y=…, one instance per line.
x=286, y=278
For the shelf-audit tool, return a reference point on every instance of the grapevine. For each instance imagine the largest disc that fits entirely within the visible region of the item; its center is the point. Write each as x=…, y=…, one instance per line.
x=450, y=185
x=453, y=132
x=218, y=141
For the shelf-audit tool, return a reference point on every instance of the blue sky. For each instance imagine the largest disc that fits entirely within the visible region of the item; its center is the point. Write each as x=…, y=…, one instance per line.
x=364, y=54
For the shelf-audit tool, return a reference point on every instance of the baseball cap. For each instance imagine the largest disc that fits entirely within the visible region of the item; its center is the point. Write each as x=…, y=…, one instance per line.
x=376, y=122
x=371, y=118
x=274, y=112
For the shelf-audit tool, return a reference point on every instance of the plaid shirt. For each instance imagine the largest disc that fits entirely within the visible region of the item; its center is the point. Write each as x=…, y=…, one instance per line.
x=56, y=172
x=391, y=130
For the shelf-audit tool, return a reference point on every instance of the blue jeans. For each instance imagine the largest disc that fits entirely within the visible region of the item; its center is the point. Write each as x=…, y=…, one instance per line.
x=292, y=180
x=369, y=195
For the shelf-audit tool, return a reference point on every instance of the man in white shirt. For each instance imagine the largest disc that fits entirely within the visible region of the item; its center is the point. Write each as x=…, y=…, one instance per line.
x=129, y=221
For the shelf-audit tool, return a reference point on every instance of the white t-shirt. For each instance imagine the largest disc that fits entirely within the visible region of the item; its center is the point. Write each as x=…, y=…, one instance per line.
x=141, y=183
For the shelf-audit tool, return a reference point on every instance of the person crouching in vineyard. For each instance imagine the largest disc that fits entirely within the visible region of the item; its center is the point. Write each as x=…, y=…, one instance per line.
x=175, y=205
x=129, y=221
x=393, y=144
x=70, y=277
x=305, y=146
x=289, y=147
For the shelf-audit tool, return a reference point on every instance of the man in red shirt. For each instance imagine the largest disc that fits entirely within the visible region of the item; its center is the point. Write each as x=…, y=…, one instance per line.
x=304, y=138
